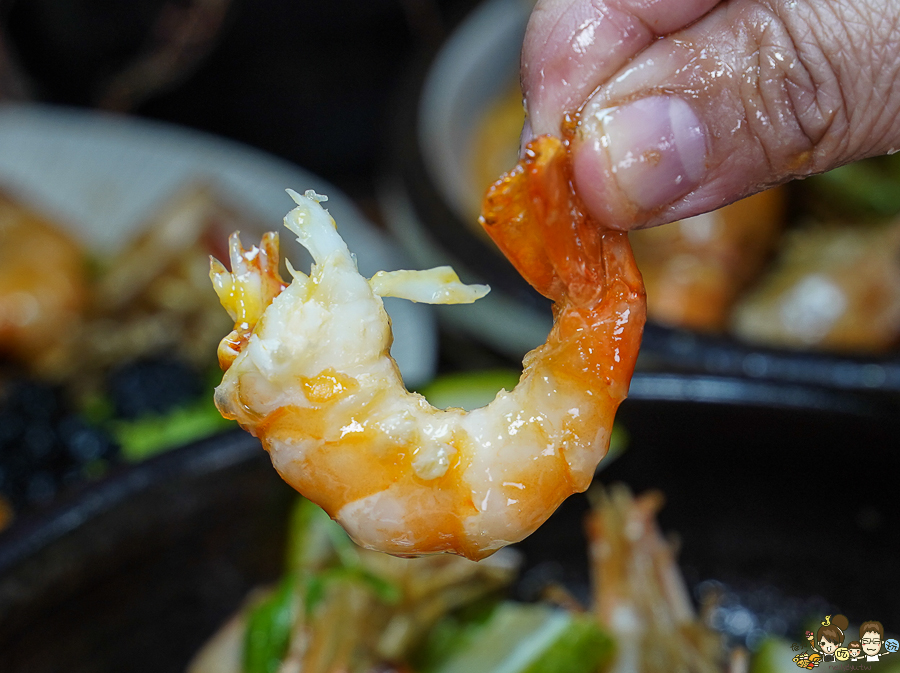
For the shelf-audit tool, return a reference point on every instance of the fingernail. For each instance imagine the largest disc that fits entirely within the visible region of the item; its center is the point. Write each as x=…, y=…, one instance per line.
x=654, y=147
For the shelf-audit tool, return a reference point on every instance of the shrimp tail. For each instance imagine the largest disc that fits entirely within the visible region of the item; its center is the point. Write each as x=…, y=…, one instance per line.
x=534, y=216
x=537, y=221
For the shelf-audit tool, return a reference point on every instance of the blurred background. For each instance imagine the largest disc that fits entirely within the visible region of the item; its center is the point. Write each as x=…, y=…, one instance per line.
x=313, y=83
x=135, y=136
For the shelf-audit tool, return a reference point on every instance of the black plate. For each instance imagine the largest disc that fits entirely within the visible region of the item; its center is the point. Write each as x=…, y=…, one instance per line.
x=786, y=488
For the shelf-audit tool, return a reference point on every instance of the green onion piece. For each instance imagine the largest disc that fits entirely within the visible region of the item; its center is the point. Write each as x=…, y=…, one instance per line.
x=452, y=633
x=318, y=546
x=522, y=638
x=775, y=655
x=317, y=585
x=310, y=540
x=386, y=592
x=147, y=436
x=618, y=442
x=469, y=390
x=870, y=186
x=268, y=631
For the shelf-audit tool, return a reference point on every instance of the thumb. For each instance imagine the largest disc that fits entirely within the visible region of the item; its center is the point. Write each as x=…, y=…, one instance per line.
x=751, y=94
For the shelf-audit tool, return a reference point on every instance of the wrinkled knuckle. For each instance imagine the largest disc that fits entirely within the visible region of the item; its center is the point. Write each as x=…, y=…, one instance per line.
x=859, y=40
x=793, y=103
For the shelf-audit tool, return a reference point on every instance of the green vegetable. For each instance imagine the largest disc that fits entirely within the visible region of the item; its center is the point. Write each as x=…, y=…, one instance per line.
x=887, y=664
x=453, y=633
x=269, y=625
x=319, y=547
x=520, y=638
x=774, y=655
x=317, y=585
x=97, y=408
x=618, y=442
x=582, y=646
x=322, y=561
x=469, y=390
x=311, y=535
x=147, y=436
x=870, y=187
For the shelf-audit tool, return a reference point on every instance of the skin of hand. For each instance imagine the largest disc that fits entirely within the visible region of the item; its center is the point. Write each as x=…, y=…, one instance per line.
x=687, y=105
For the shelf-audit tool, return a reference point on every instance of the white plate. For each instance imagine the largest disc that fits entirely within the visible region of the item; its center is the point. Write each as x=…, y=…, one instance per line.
x=103, y=174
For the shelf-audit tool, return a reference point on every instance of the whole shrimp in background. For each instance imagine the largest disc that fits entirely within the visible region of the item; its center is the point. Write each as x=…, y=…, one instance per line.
x=43, y=289
x=308, y=371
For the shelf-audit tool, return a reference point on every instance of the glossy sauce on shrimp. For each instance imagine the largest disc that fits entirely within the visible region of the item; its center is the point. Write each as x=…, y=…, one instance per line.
x=309, y=372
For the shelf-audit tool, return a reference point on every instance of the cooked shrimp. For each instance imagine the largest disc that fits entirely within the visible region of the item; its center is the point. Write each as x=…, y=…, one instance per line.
x=43, y=289
x=639, y=593
x=308, y=371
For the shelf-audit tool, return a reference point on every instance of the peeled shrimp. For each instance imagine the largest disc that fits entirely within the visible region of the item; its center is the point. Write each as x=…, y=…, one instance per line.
x=309, y=372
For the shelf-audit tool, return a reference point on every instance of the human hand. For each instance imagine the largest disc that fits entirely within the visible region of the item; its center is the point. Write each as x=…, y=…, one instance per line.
x=691, y=104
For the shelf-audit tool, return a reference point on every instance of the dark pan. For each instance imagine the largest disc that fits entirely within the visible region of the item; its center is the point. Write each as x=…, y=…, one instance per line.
x=785, y=488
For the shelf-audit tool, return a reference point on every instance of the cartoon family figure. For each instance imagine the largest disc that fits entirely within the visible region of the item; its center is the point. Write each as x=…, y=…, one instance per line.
x=827, y=644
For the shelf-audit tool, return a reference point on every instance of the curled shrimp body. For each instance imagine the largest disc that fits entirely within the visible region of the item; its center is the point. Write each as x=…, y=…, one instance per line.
x=309, y=372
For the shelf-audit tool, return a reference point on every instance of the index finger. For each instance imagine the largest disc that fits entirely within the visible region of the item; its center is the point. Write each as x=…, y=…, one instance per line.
x=573, y=46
